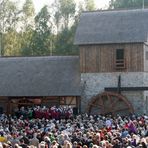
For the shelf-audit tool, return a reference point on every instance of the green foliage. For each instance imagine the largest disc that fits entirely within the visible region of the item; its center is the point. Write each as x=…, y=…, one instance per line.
x=65, y=12
x=64, y=43
x=3, y=14
x=28, y=14
x=11, y=44
x=67, y=9
x=9, y=15
x=127, y=4
x=40, y=44
x=25, y=39
x=27, y=30
x=42, y=21
x=90, y=5
x=50, y=32
x=28, y=8
x=9, y=20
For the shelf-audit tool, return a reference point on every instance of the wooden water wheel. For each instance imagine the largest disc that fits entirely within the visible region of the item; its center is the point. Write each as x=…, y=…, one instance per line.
x=109, y=103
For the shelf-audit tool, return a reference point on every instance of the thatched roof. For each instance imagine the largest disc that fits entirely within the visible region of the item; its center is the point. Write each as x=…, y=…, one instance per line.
x=106, y=27
x=39, y=76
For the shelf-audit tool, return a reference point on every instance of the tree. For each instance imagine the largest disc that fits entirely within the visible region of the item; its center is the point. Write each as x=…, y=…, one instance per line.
x=3, y=14
x=28, y=14
x=25, y=34
x=64, y=19
x=11, y=43
x=67, y=9
x=9, y=22
x=127, y=4
x=27, y=27
x=41, y=39
x=64, y=44
x=9, y=15
x=25, y=39
x=56, y=15
x=89, y=5
x=28, y=8
x=64, y=11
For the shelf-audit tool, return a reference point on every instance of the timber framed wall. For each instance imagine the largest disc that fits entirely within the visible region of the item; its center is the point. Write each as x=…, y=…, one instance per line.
x=4, y=104
x=9, y=104
x=101, y=58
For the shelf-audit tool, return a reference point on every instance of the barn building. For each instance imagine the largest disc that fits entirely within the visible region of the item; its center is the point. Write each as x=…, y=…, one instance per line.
x=114, y=60
x=28, y=81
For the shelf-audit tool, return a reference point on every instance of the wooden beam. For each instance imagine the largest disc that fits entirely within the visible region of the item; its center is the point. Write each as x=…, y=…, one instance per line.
x=115, y=89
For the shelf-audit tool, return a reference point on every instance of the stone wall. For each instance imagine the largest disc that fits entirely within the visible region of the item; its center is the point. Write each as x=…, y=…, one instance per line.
x=136, y=98
x=145, y=102
x=94, y=83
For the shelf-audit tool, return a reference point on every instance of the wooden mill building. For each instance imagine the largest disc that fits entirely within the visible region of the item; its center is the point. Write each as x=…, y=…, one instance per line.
x=114, y=60
x=29, y=81
x=109, y=76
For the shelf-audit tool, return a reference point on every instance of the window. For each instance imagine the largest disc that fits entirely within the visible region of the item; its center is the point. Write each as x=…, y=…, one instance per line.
x=120, y=60
x=119, y=54
x=146, y=55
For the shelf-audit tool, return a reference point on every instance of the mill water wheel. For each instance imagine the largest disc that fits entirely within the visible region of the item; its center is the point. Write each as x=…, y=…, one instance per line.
x=109, y=103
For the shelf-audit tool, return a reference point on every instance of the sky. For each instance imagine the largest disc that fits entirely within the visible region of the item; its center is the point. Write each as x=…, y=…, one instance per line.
x=40, y=3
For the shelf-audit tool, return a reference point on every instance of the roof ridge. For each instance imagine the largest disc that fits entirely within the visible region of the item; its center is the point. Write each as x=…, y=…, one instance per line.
x=118, y=9
x=108, y=27
x=44, y=56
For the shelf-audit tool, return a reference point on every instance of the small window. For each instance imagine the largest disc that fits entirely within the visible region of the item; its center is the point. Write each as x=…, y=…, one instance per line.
x=120, y=60
x=146, y=55
x=120, y=54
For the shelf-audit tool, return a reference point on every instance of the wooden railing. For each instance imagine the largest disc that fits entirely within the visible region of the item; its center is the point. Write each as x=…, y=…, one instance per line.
x=120, y=64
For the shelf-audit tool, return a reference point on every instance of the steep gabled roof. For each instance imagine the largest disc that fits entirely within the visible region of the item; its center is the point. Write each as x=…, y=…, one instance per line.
x=105, y=27
x=39, y=76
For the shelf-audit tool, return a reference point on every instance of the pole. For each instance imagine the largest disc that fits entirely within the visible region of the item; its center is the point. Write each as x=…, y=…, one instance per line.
x=119, y=84
x=51, y=47
x=143, y=4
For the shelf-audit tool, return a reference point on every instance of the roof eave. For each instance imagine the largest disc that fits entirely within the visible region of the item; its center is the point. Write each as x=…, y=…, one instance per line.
x=108, y=43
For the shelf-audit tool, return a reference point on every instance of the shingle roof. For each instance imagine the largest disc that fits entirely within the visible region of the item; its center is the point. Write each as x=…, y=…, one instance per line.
x=103, y=27
x=39, y=76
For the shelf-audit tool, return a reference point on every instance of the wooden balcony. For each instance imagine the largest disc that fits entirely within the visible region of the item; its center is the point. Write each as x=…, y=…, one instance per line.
x=120, y=64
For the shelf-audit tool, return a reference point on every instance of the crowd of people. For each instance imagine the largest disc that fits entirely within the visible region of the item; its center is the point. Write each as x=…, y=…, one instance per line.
x=28, y=130
x=44, y=112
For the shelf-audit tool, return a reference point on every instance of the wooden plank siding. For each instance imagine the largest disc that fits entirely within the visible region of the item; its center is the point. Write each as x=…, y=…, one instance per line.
x=145, y=57
x=101, y=58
